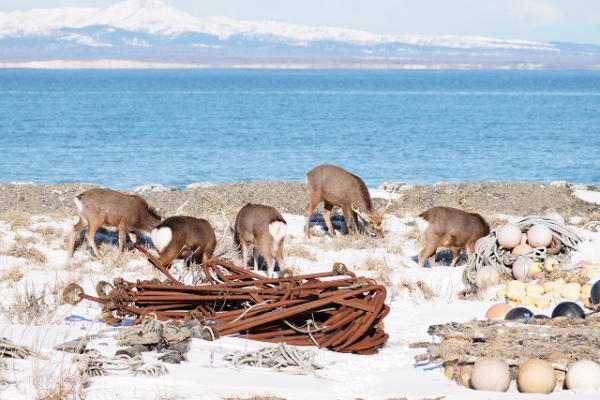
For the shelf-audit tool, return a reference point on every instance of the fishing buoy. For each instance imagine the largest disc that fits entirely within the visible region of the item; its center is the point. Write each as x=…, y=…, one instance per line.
x=509, y=236
x=569, y=310
x=556, y=217
x=536, y=376
x=490, y=374
x=487, y=276
x=518, y=313
x=583, y=375
x=595, y=293
x=539, y=235
x=498, y=311
x=520, y=268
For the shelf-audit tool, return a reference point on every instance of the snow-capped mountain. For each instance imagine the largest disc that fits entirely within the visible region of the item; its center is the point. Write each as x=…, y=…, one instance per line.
x=152, y=31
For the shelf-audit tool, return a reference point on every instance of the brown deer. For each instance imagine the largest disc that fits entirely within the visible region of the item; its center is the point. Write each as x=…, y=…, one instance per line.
x=105, y=207
x=451, y=228
x=263, y=227
x=185, y=238
x=337, y=187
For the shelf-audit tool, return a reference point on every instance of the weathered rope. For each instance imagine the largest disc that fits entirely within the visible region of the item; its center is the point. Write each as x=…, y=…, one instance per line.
x=490, y=253
x=281, y=357
x=92, y=363
x=152, y=331
x=9, y=349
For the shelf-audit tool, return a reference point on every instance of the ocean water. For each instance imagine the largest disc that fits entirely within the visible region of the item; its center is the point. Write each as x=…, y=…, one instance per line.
x=123, y=128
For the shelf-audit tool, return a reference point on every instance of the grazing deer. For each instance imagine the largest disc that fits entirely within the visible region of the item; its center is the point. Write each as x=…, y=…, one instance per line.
x=105, y=207
x=185, y=238
x=449, y=227
x=263, y=227
x=337, y=187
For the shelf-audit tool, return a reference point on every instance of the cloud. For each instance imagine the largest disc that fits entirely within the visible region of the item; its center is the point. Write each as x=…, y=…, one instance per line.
x=534, y=13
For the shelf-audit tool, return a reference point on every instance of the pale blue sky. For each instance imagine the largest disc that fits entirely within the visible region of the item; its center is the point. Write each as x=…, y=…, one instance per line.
x=545, y=20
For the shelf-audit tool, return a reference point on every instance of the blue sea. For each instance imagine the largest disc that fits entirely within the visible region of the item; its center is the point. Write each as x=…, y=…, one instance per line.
x=124, y=128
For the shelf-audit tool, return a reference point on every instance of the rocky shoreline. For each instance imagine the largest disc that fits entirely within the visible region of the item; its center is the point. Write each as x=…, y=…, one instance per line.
x=487, y=198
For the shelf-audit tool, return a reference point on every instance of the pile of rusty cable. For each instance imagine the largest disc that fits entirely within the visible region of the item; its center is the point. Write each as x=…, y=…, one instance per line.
x=339, y=312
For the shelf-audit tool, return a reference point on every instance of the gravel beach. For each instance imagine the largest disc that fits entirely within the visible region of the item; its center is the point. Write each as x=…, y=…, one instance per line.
x=488, y=198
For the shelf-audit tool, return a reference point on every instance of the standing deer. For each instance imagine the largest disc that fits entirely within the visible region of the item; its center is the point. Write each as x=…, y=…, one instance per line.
x=105, y=207
x=337, y=187
x=449, y=227
x=186, y=238
x=263, y=227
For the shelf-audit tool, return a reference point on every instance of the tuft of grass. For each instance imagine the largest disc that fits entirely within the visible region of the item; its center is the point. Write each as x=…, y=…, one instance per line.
x=23, y=248
x=428, y=293
x=50, y=233
x=17, y=219
x=13, y=275
x=298, y=250
x=69, y=389
x=33, y=306
x=256, y=397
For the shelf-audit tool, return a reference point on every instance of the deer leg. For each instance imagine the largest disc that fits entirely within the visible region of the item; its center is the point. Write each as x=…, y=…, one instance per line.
x=307, y=213
x=90, y=235
x=79, y=226
x=122, y=237
x=351, y=220
x=327, y=216
x=455, y=255
x=428, y=251
x=265, y=246
x=133, y=237
x=255, y=255
x=244, y=253
x=168, y=255
x=279, y=255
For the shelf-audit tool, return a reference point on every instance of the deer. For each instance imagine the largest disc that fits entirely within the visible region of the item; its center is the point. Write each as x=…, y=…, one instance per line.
x=264, y=228
x=186, y=238
x=99, y=207
x=337, y=187
x=451, y=228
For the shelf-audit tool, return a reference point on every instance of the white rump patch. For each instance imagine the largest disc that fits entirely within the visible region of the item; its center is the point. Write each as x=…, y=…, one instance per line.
x=422, y=224
x=78, y=205
x=161, y=237
x=277, y=229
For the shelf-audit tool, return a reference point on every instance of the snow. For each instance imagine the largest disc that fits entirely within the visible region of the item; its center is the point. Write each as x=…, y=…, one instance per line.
x=155, y=17
x=392, y=373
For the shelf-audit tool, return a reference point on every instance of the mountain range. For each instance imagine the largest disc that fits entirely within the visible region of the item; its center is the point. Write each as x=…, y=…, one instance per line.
x=151, y=33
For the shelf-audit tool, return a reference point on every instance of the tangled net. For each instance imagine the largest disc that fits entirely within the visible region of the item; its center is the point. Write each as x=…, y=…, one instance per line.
x=489, y=252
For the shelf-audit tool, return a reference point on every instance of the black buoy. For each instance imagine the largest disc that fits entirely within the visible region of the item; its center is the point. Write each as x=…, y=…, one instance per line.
x=541, y=316
x=595, y=293
x=519, y=313
x=568, y=309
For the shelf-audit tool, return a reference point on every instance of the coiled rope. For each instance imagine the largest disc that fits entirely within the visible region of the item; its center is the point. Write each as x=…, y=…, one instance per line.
x=93, y=363
x=151, y=331
x=9, y=349
x=281, y=357
x=490, y=253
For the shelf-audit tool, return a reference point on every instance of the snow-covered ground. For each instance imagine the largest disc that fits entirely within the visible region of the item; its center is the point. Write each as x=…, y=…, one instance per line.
x=35, y=279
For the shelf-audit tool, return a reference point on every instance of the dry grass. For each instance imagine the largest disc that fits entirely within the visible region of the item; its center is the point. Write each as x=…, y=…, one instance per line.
x=300, y=251
x=12, y=275
x=496, y=222
x=357, y=242
x=50, y=233
x=23, y=248
x=33, y=306
x=257, y=397
x=17, y=219
x=67, y=389
x=426, y=290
